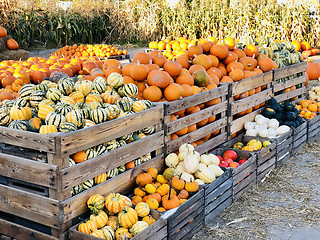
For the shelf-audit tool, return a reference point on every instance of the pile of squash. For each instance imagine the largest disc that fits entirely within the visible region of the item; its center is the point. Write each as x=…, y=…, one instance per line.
x=115, y=217
x=309, y=109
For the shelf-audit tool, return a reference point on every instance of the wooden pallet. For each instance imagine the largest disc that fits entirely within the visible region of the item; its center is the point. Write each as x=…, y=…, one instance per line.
x=284, y=147
x=299, y=137
x=220, y=124
x=157, y=230
x=118, y=57
x=313, y=128
x=238, y=106
x=294, y=75
x=58, y=208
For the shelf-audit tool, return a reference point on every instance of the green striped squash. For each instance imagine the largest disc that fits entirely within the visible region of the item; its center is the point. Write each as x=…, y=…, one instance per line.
x=146, y=157
x=275, y=46
x=99, y=84
x=112, y=111
x=125, y=104
x=115, y=80
x=7, y=103
x=264, y=41
x=26, y=90
x=247, y=40
x=139, y=106
x=266, y=51
x=137, y=162
x=126, y=137
x=36, y=97
x=20, y=103
x=148, y=103
x=121, y=169
x=47, y=102
x=288, y=46
x=149, y=130
x=122, y=143
x=76, y=117
x=34, y=124
x=44, y=110
x=128, y=90
x=53, y=94
x=91, y=153
x=89, y=123
x=112, y=173
x=42, y=86
x=24, y=113
x=5, y=118
x=63, y=108
x=65, y=87
x=49, y=83
x=71, y=162
x=83, y=86
x=292, y=59
x=84, y=109
x=68, y=127
x=76, y=190
x=55, y=119
x=45, y=129
x=87, y=184
x=98, y=115
x=19, y=124
x=111, y=145
x=280, y=63
x=100, y=149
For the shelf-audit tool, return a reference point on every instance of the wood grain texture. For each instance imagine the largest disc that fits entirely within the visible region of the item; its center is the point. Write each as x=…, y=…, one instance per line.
x=218, y=210
x=212, y=143
x=215, y=194
x=37, y=141
x=288, y=83
x=289, y=70
x=244, y=185
x=101, y=133
x=30, y=206
x=285, y=96
x=20, y=232
x=28, y=170
x=225, y=195
x=238, y=124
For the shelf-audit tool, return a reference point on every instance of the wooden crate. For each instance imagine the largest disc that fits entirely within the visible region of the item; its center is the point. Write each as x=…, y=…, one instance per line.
x=118, y=57
x=187, y=219
x=299, y=137
x=284, y=147
x=235, y=122
x=58, y=208
x=313, y=127
x=294, y=75
x=157, y=230
x=220, y=124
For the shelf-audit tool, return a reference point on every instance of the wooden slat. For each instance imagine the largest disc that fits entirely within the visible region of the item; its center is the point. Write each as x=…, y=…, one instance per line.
x=289, y=70
x=37, y=141
x=247, y=168
x=196, y=135
x=218, y=210
x=28, y=170
x=289, y=83
x=216, y=183
x=214, y=196
x=212, y=143
x=244, y=185
x=251, y=101
x=151, y=231
x=238, y=124
x=283, y=159
x=176, y=106
x=263, y=174
x=211, y=206
x=251, y=83
x=30, y=206
x=285, y=96
x=76, y=205
x=91, y=168
x=101, y=133
x=172, y=127
x=265, y=165
x=20, y=232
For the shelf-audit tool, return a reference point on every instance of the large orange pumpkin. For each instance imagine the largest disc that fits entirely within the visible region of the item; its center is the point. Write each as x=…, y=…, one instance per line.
x=152, y=93
x=12, y=44
x=173, y=92
x=159, y=78
x=173, y=68
x=313, y=70
x=3, y=32
x=142, y=58
x=219, y=51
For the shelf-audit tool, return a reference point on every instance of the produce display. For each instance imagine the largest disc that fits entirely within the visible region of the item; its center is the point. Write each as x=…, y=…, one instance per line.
x=231, y=159
x=11, y=43
x=252, y=145
x=309, y=108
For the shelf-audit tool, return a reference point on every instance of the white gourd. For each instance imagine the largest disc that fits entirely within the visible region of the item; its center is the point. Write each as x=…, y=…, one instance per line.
x=258, y=127
x=205, y=159
x=252, y=132
x=282, y=129
x=263, y=133
x=182, y=155
x=272, y=133
x=191, y=163
x=172, y=160
x=178, y=170
x=273, y=123
x=261, y=121
x=265, y=125
x=187, y=177
x=199, y=181
x=186, y=148
x=259, y=116
x=202, y=166
x=249, y=125
x=214, y=159
x=216, y=169
x=207, y=175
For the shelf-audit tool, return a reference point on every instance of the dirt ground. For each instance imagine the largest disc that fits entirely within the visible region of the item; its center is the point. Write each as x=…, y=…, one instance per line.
x=285, y=206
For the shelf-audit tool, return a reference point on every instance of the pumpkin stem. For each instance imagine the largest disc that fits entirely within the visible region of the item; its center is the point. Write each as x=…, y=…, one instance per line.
x=170, y=189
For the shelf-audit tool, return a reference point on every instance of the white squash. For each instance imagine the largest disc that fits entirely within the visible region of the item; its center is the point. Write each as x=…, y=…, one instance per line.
x=201, y=167
x=207, y=175
x=186, y=148
x=216, y=169
x=178, y=170
x=199, y=181
x=263, y=133
x=273, y=123
x=214, y=159
x=272, y=133
x=258, y=117
x=282, y=129
x=187, y=177
x=172, y=160
x=265, y=125
x=249, y=125
x=252, y=132
x=182, y=155
x=258, y=127
x=205, y=159
x=261, y=120
x=191, y=163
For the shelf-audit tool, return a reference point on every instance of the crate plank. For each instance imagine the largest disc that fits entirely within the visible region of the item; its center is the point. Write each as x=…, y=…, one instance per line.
x=25, y=153
x=224, y=195
x=104, y=132
x=212, y=143
x=20, y=168
x=265, y=158
x=20, y=232
x=213, y=195
x=288, y=83
x=264, y=173
x=291, y=94
x=289, y=70
x=81, y=172
x=195, y=230
x=267, y=164
x=152, y=230
x=30, y=206
x=217, y=211
x=238, y=124
x=216, y=183
x=244, y=170
x=242, y=187
x=283, y=159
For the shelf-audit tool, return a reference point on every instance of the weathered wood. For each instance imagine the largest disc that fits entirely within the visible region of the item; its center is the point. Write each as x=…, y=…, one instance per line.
x=291, y=94
x=244, y=185
x=76, y=205
x=37, y=141
x=263, y=174
x=212, y=143
x=214, y=195
x=27, y=186
x=81, y=172
x=238, y=124
x=288, y=83
x=21, y=232
x=289, y=70
x=218, y=210
x=27, y=170
x=30, y=206
x=28, y=154
x=249, y=167
x=267, y=164
x=283, y=159
x=196, y=227
x=251, y=83
x=211, y=206
x=265, y=158
x=104, y=132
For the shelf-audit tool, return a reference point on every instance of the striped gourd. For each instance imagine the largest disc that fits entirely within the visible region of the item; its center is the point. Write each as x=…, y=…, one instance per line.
x=55, y=119
x=34, y=124
x=94, y=105
x=68, y=127
x=112, y=111
x=94, y=97
x=280, y=63
x=78, y=97
x=99, y=84
x=7, y=103
x=20, y=103
x=45, y=129
x=24, y=113
x=128, y=90
x=71, y=162
x=112, y=173
x=292, y=59
x=76, y=190
x=62, y=108
x=65, y=87
x=44, y=110
x=26, y=90
x=275, y=46
x=87, y=184
x=146, y=157
x=148, y=103
x=138, y=227
x=5, y=118
x=108, y=98
x=84, y=109
x=141, y=135
x=288, y=46
x=36, y=97
x=123, y=114
x=111, y=145
x=121, y=169
x=125, y=104
x=122, y=143
x=19, y=124
x=100, y=149
x=109, y=89
x=139, y=106
x=126, y=137
x=91, y=153
x=134, y=137
x=53, y=94
x=104, y=105
x=42, y=86
x=264, y=41
x=49, y=83
x=83, y=86
x=89, y=123
x=98, y=115
x=67, y=99
x=76, y=117
x=101, y=178
x=47, y=102
x=266, y=51
x=137, y=161
x=149, y=130
x=115, y=80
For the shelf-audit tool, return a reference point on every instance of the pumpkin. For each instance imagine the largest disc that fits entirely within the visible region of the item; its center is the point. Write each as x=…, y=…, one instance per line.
x=173, y=68
x=55, y=119
x=173, y=92
x=19, y=124
x=159, y=78
x=191, y=163
x=101, y=218
x=150, y=188
x=142, y=209
x=201, y=78
x=170, y=201
x=139, y=72
x=153, y=172
x=101, y=178
x=96, y=203
x=127, y=217
x=113, y=222
x=115, y=80
x=192, y=186
x=83, y=86
x=143, y=179
x=219, y=51
x=136, y=200
x=163, y=189
x=12, y=44
x=88, y=227
x=3, y=32
x=161, y=179
x=141, y=57
x=34, y=124
x=168, y=173
x=138, y=106
x=138, y=227
x=152, y=203
x=149, y=220
x=139, y=192
x=87, y=184
x=183, y=194
x=313, y=70
x=99, y=234
x=249, y=148
x=112, y=112
x=114, y=202
x=121, y=233
x=108, y=232
x=178, y=183
x=25, y=113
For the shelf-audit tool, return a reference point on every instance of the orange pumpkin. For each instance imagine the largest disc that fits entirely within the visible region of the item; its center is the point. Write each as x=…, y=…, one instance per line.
x=152, y=93
x=3, y=32
x=173, y=92
x=142, y=58
x=159, y=78
x=12, y=44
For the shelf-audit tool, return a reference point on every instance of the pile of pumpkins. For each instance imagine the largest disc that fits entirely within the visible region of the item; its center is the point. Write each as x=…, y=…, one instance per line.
x=309, y=109
x=11, y=43
x=252, y=145
x=115, y=217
